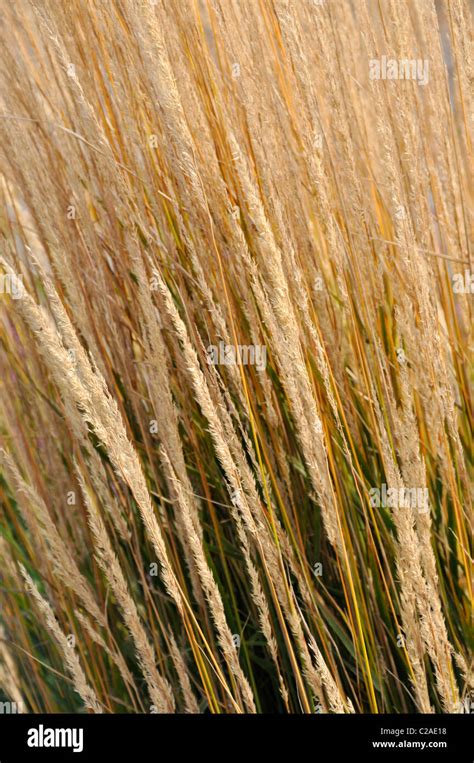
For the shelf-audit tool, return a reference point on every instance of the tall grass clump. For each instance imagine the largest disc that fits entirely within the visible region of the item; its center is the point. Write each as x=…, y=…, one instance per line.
x=236, y=331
